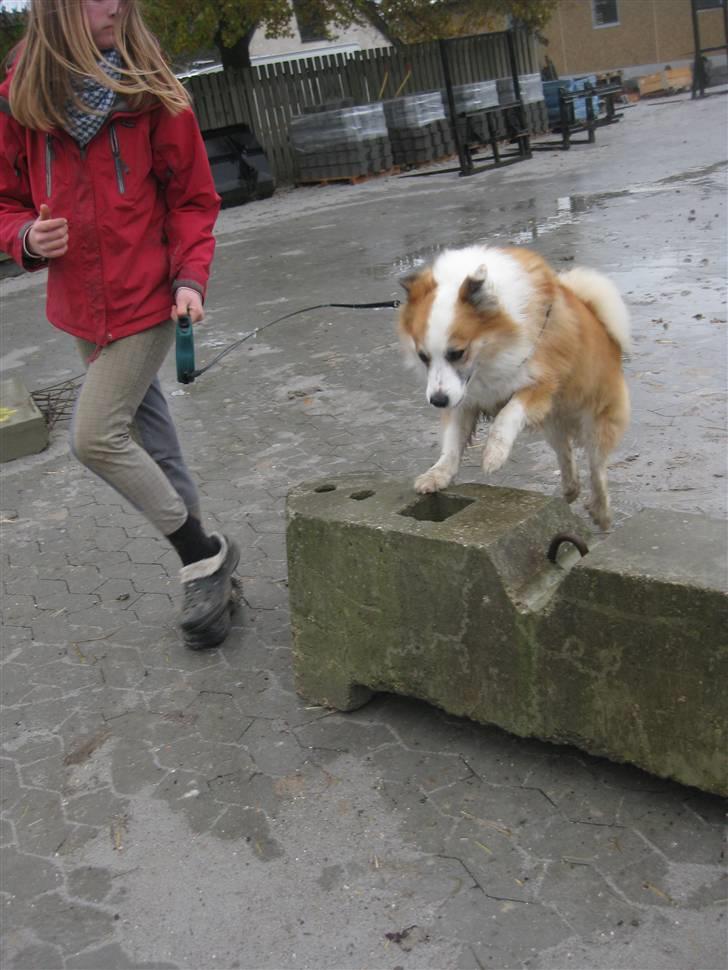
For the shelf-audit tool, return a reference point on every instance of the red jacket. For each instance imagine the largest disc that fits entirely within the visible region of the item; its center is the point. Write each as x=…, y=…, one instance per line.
x=140, y=203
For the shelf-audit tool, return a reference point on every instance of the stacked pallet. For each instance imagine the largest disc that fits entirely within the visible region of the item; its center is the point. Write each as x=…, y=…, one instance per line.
x=344, y=143
x=532, y=96
x=571, y=85
x=418, y=129
x=669, y=81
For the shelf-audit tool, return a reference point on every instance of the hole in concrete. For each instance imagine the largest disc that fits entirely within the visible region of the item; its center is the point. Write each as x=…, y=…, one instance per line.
x=325, y=488
x=436, y=507
x=359, y=496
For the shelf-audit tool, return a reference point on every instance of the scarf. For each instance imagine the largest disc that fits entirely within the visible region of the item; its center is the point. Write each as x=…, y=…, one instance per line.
x=83, y=125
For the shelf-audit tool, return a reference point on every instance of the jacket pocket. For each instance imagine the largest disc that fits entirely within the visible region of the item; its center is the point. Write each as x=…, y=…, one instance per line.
x=49, y=164
x=118, y=163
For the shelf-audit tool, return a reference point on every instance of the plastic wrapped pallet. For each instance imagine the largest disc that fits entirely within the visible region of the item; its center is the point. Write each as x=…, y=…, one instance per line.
x=371, y=120
x=418, y=129
x=343, y=143
x=475, y=97
x=317, y=132
x=531, y=89
x=414, y=111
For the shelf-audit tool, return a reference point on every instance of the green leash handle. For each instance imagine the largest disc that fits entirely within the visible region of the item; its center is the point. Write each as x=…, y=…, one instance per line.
x=185, y=350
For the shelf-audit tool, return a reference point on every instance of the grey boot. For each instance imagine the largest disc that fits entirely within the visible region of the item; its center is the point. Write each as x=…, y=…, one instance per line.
x=208, y=596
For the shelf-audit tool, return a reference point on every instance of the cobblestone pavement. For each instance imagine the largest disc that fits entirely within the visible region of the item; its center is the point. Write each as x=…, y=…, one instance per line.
x=162, y=808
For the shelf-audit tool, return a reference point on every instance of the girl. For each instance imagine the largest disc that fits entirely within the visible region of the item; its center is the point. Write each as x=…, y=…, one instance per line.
x=104, y=179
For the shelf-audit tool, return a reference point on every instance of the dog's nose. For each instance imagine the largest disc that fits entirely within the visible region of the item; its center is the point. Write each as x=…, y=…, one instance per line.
x=439, y=399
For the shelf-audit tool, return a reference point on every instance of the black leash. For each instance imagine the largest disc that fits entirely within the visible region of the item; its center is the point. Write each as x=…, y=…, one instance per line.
x=185, y=347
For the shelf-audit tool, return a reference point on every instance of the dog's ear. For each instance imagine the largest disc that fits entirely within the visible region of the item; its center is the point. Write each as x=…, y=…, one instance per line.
x=477, y=290
x=417, y=283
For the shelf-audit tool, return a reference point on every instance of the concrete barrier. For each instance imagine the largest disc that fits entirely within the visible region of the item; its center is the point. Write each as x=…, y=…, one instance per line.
x=451, y=598
x=23, y=429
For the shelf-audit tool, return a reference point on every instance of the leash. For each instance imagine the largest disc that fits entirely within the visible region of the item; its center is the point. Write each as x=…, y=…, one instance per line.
x=185, y=341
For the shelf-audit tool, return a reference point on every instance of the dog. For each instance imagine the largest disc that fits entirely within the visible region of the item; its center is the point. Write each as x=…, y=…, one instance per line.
x=503, y=335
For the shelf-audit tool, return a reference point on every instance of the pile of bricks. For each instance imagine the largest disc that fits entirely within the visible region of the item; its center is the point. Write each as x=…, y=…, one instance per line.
x=341, y=143
x=418, y=129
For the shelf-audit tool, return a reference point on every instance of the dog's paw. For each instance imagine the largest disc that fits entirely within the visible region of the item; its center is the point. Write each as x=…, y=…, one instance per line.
x=600, y=513
x=433, y=480
x=495, y=455
x=571, y=491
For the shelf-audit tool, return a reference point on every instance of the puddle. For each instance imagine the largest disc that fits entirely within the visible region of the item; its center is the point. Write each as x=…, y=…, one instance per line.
x=467, y=228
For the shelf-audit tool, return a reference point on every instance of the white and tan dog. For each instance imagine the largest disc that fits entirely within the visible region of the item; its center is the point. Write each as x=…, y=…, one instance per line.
x=502, y=334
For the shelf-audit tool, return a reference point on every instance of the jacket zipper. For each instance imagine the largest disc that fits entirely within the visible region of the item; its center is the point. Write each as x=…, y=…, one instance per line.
x=118, y=164
x=49, y=165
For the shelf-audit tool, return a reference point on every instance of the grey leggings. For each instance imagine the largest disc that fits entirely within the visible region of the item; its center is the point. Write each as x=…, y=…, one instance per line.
x=122, y=429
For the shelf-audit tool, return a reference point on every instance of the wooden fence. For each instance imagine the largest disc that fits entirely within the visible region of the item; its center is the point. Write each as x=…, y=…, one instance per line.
x=266, y=97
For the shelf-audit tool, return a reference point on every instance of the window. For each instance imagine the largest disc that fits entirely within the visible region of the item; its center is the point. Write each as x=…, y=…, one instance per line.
x=708, y=4
x=605, y=13
x=311, y=23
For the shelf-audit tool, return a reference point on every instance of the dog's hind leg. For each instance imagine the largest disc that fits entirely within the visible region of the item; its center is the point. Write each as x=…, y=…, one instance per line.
x=560, y=440
x=606, y=431
x=458, y=425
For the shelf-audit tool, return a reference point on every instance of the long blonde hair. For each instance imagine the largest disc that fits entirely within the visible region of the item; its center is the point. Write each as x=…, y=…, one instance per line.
x=58, y=48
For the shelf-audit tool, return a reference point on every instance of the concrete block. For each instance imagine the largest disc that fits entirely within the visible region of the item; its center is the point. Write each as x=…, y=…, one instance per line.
x=23, y=430
x=451, y=598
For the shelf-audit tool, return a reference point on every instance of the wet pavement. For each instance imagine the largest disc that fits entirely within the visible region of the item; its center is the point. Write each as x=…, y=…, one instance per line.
x=168, y=809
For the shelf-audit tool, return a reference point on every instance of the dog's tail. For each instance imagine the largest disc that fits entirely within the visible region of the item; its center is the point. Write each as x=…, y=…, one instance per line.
x=603, y=299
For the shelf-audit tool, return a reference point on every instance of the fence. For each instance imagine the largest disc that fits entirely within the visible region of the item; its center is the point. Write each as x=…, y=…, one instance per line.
x=266, y=97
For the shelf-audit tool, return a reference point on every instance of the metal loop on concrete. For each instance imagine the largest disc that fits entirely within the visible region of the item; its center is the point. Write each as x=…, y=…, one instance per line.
x=566, y=537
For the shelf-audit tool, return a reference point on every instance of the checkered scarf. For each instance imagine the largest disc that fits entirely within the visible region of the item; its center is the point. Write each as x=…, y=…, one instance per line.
x=83, y=125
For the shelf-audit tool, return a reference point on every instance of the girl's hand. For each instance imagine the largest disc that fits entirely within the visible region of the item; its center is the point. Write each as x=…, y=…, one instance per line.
x=47, y=238
x=188, y=301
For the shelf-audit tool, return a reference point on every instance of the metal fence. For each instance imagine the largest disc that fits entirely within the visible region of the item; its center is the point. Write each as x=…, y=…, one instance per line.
x=266, y=97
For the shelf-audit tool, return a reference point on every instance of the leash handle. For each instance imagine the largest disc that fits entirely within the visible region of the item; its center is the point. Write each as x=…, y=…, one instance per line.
x=185, y=350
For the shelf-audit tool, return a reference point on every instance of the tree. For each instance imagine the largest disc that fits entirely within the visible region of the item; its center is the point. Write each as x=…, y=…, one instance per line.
x=187, y=26
x=12, y=28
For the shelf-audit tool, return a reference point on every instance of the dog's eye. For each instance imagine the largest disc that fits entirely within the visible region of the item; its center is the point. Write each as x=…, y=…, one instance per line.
x=423, y=357
x=452, y=355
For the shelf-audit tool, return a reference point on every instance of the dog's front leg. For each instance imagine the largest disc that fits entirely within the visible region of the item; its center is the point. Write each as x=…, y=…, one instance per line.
x=528, y=406
x=457, y=427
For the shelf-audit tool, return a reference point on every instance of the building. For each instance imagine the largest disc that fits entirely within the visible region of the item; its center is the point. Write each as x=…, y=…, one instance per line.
x=308, y=39
x=635, y=36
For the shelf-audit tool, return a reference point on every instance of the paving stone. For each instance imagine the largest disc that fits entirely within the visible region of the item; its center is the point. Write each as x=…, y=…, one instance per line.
x=273, y=747
x=133, y=767
x=113, y=957
x=45, y=773
x=74, y=926
x=250, y=826
x=38, y=956
x=336, y=733
x=89, y=883
x=7, y=835
x=40, y=827
x=26, y=876
x=208, y=759
x=95, y=808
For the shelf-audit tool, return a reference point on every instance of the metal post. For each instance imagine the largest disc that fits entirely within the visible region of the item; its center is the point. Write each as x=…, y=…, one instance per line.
x=698, y=72
x=565, y=112
x=590, y=119
x=524, y=142
x=466, y=164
